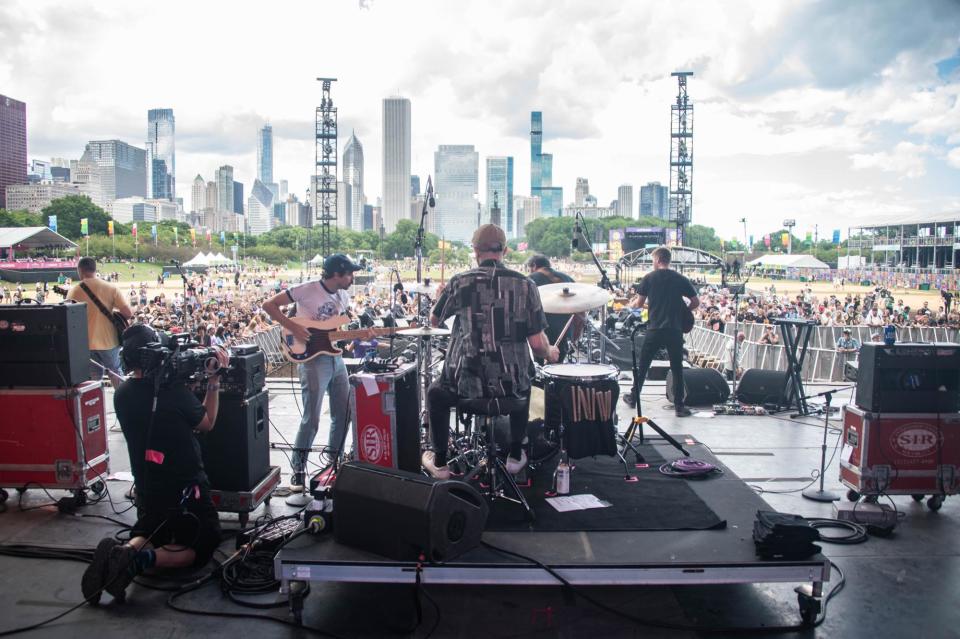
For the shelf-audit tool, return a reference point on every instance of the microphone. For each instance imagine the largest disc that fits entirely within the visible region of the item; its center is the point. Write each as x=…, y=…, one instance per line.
x=430, y=199
x=176, y=262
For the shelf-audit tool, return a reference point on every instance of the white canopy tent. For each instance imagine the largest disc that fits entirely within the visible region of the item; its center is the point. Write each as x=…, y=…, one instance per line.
x=198, y=260
x=786, y=261
x=316, y=259
x=219, y=258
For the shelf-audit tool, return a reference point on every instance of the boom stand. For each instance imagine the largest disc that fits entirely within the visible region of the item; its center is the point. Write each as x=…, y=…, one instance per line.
x=636, y=425
x=604, y=282
x=821, y=494
x=738, y=290
x=186, y=316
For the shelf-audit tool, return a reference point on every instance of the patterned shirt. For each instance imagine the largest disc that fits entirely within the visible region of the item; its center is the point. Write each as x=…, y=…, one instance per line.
x=496, y=310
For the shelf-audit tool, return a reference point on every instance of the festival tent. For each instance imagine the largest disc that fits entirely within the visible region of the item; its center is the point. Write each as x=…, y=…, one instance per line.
x=316, y=259
x=786, y=261
x=220, y=258
x=198, y=260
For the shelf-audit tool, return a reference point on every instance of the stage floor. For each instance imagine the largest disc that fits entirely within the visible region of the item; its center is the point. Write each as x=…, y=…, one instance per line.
x=594, y=558
x=894, y=586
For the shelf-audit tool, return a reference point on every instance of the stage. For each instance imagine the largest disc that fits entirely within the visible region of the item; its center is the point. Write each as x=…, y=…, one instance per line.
x=893, y=584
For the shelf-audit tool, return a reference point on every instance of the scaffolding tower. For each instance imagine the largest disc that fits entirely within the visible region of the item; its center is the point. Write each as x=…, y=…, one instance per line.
x=681, y=157
x=325, y=169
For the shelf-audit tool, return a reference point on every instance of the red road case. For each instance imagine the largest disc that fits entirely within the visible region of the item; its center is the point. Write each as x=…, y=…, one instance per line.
x=53, y=437
x=386, y=409
x=900, y=453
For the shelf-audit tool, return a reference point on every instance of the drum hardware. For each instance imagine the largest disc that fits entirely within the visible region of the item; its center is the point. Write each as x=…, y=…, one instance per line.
x=571, y=297
x=425, y=363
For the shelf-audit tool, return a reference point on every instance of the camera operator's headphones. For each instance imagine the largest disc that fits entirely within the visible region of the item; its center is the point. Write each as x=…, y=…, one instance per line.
x=132, y=340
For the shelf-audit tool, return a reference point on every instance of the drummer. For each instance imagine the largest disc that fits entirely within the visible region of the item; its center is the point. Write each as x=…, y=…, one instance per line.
x=542, y=273
x=498, y=313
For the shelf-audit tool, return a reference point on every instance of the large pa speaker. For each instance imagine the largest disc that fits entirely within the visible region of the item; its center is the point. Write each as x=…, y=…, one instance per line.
x=758, y=386
x=909, y=378
x=44, y=345
x=402, y=515
x=702, y=387
x=236, y=453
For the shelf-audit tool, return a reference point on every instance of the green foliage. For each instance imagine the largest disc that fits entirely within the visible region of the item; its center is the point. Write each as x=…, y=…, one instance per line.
x=70, y=210
x=551, y=235
x=20, y=218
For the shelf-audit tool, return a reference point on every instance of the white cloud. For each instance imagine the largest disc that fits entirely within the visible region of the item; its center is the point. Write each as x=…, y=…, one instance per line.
x=953, y=157
x=906, y=158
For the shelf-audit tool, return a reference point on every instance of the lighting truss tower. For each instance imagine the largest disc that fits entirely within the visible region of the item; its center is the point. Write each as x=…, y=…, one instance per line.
x=681, y=157
x=325, y=169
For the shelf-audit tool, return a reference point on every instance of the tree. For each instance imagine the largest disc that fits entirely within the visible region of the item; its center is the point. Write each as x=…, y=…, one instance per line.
x=70, y=210
x=401, y=241
x=20, y=218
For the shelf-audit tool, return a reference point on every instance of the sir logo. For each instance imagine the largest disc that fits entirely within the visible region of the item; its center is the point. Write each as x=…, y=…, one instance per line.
x=372, y=443
x=915, y=440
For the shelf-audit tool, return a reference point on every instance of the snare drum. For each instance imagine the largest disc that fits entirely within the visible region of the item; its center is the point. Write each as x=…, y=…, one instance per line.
x=582, y=398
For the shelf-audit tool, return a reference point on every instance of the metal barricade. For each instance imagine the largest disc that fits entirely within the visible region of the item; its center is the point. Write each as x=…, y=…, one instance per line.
x=269, y=342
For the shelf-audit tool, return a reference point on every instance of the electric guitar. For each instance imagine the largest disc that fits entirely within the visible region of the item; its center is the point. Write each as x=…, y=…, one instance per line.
x=323, y=336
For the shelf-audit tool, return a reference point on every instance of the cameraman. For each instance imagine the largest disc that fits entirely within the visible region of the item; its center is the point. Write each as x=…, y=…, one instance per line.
x=177, y=524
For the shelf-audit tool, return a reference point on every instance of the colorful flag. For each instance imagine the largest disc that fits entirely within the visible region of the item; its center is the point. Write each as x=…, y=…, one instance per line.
x=836, y=236
x=751, y=241
x=84, y=227
x=193, y=237
x=785, y=239
x=208, y=239
x=766, y=240
x=176, y=237
x=52, y=223
x=223, y=237
x=153, y=231
x=809, y=236
x=110, y=228
x=133, y=230
x=522, y=246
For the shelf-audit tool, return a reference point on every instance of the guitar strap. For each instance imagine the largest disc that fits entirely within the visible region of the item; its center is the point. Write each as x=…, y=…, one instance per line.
x=96, y=300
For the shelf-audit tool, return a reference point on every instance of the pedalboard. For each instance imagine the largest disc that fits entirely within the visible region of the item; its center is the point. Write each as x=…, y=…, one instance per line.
x=865, y=513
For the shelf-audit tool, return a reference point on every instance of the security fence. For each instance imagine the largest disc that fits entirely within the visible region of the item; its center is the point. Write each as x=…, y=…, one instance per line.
x=269, y=343
x=822, y=364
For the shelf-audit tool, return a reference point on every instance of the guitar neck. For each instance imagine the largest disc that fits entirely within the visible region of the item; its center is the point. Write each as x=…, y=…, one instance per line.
x=336, y=336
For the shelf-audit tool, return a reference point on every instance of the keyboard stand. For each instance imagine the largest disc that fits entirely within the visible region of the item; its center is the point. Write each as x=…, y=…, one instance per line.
x=796, y=338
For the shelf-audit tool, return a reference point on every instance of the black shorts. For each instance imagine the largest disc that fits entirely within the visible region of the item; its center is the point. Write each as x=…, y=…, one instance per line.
x=195, y=525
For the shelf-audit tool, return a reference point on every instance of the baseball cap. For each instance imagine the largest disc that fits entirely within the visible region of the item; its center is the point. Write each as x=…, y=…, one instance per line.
x=339, y=263
x=489, y=237
x=132, y=340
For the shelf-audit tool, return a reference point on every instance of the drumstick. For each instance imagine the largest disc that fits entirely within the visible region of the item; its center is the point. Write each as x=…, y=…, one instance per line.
x=564, y=331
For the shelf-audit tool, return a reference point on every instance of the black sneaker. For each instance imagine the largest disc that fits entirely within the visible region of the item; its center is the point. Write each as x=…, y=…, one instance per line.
x=682, y=411
x=94, y=577
x=121, y=570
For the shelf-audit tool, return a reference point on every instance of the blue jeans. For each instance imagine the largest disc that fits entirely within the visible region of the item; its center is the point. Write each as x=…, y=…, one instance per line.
x=319, y=375
x=110, y=358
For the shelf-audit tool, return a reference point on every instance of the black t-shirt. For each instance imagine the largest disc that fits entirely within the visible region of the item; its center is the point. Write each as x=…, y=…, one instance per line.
x=555, y=321
x=665, y=289
x=172, y=440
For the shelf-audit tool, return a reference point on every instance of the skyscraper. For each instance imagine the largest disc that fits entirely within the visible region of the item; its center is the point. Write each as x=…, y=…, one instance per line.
x=109, y=170
x=396, y=161
x=259, y=209
x=654, y=200
x=353, y=178
x=414, y=185
x=456, y=168
x=13, y=144
x=224, y=179
x=198, y=194
x=582, y=191
x=500, y=181
x=541, y=171
x=238, y=197
x=265, y=154
x=161, y=129
x=625, y=200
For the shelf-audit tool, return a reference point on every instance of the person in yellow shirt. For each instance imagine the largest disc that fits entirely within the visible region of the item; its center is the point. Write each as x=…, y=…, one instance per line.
x=104, y=342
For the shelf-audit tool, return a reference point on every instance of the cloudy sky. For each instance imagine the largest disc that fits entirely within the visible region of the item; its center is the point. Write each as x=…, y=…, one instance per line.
x=829, y=112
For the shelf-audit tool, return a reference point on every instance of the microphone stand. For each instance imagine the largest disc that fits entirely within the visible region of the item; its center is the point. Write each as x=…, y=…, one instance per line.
x=418, y=243
x=604, y=279
x=738, y=290
x=186, y=316
x=821, y=494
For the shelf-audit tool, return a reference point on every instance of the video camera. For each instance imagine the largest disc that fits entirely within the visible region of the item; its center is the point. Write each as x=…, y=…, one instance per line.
x=178, y=359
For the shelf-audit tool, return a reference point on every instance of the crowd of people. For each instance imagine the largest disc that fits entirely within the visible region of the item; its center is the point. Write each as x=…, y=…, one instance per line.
x=876, y=309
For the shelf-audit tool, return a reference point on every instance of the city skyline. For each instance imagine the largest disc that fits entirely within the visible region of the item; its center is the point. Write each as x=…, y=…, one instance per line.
x=813, y=120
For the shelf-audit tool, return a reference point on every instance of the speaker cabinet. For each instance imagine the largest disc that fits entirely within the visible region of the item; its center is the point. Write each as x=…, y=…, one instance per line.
x=760, y=387
x=236, y=453
x=402, y=515
x=702, y=387
x=909, y=378
x=44, y=345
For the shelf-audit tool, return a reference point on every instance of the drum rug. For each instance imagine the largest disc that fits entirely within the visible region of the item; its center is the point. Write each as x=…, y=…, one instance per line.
x=654, y=502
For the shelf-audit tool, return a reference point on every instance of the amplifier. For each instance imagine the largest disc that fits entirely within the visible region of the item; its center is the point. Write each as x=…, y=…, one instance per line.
x=44, y=345
x=909, y=378
x=236, y=453
x=247, y=372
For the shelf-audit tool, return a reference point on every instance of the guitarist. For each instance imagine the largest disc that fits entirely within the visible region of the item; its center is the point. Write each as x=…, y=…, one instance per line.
x=664, y=289
x=318, y=300
x=101, y=329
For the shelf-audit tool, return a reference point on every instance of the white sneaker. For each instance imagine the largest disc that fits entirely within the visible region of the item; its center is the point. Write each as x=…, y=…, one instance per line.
x=297, y=482
x=514, y=466
x=429, y=461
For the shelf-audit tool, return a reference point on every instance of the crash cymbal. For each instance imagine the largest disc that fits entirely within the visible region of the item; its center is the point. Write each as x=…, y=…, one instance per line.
x=430, y=290
x=571, y=297
x=424, y=331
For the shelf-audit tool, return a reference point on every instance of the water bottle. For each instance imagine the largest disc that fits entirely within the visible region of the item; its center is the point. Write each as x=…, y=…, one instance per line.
x=563, y=475
x=890, y=335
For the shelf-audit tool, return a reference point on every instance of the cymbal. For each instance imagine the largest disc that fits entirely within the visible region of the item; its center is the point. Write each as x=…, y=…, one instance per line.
x=571, y=297
x=429, y=290
x=424, y=331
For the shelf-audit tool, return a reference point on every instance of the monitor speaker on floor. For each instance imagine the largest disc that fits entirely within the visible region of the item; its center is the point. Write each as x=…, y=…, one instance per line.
x=402, y=515
x=761, y=387
x=702, y=387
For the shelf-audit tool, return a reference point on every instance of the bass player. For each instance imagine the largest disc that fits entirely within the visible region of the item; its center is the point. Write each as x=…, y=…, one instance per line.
x=318, y=300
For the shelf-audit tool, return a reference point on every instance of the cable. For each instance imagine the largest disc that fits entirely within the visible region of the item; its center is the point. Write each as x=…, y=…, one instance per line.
x=857, y=533
x=672, y=626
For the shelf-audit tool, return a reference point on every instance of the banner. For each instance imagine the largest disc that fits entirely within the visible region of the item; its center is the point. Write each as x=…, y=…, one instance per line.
x=809, y=236
x=836, y=236
x=785, y=239
x=176, y=237
x=209, y=243
x=193, y=237
x=84, y=227
x=751, y=242
x=223, y=237
x=52, y=223
x=110, y=228
x=153, y=231
x=522, y=246
x=766, y=240
x=133, y=231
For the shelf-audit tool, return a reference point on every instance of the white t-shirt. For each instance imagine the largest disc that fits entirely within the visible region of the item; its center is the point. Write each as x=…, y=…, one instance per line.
x=315, y=302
